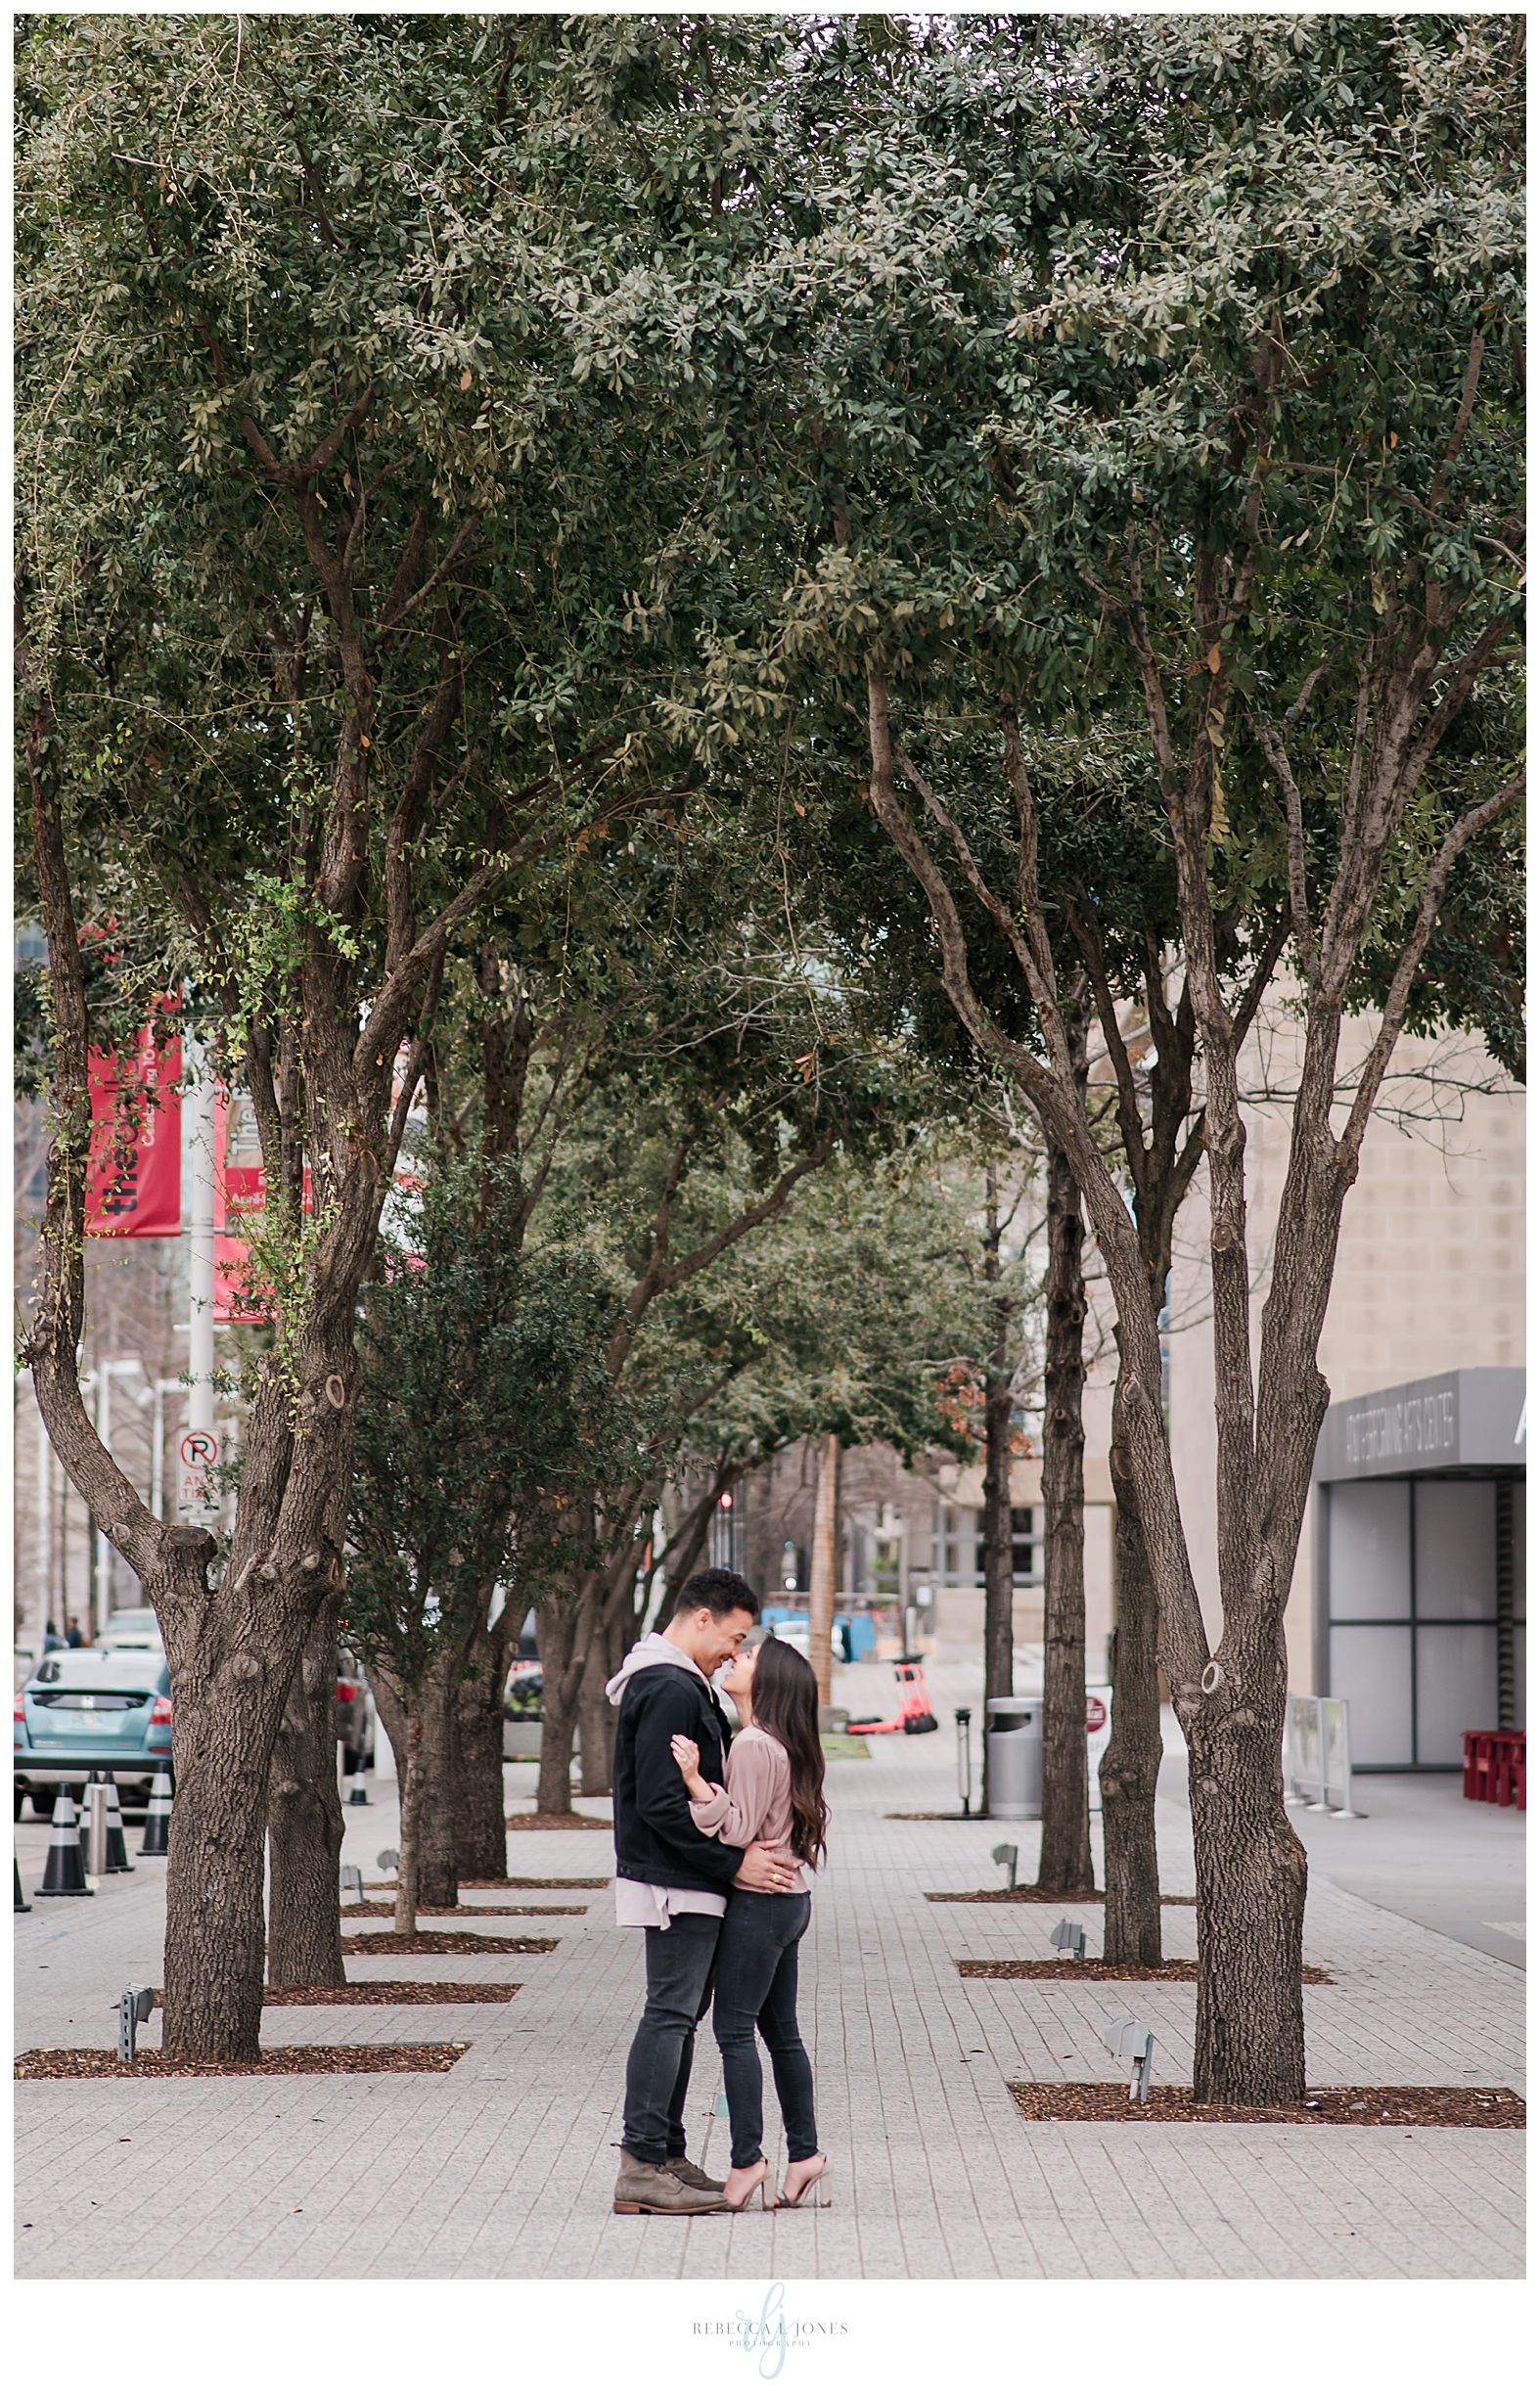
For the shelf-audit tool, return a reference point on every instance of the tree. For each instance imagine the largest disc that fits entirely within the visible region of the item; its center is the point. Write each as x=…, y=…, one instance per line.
x=304, y=454
x=643, y=1066
x=1194, y=486
x=488, y=1421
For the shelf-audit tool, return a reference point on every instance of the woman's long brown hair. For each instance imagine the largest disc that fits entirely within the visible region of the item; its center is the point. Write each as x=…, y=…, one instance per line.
x=784, y=1701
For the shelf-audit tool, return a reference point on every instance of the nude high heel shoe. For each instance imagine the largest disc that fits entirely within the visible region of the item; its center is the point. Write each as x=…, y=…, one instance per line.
x=802, y=2200
x=737, y=2207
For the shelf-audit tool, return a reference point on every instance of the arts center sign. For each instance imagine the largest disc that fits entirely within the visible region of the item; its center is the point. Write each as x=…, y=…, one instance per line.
x=1463, y=1420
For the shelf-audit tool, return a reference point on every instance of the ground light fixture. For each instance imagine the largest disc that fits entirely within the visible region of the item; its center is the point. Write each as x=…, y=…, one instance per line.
x=1127, y=2039
x=133, y=2010
x=1069, y=1939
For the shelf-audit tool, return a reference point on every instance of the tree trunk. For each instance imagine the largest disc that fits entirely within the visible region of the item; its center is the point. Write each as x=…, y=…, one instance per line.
x=999, y=1588
x=1131, y=1763
x=557, y=1631
x=825, y=1568
x=596, y=1722
x=409, y=1780
x=304, y=1810
x=392, y=1714
x=1065, y=1865
x=215, y=1947
x=421, y=1723
x=480, y=1835
x=1248, y=2043
x=680, y=1566
x=304, y=1821
x=616, y=1633
x=438, y=1873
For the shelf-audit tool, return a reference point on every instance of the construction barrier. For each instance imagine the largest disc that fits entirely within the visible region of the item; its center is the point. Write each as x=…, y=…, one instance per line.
x=1318, y=1755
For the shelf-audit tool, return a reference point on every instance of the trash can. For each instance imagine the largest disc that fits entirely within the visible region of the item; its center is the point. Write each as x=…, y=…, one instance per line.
x=1014, y=1756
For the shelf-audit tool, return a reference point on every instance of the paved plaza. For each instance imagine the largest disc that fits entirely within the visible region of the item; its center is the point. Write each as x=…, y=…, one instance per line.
x=505, y=2166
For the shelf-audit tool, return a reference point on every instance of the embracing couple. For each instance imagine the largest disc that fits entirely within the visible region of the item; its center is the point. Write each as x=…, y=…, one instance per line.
x=710, y=1854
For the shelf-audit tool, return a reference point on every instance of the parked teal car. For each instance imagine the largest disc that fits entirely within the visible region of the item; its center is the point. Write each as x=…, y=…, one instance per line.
x=96, y=1708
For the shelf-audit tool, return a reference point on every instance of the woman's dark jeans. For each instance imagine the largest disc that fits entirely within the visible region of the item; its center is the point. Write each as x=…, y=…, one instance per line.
x=756, y=1987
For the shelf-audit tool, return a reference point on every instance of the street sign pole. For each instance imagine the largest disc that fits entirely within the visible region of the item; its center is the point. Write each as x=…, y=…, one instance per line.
x=198, y=1450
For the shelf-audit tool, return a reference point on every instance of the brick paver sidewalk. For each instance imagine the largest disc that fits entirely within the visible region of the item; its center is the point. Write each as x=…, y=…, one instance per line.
x=505, y=2166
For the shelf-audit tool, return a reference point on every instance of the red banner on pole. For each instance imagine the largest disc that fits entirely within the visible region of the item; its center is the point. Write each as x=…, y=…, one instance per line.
x=240, y=1192
x=133, y=1180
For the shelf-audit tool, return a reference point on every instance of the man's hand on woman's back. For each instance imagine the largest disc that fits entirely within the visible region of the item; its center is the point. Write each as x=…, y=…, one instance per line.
x=762, y=1872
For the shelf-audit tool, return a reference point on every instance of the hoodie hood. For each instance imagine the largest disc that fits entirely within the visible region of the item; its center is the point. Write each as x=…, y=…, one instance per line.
x=655, y=1651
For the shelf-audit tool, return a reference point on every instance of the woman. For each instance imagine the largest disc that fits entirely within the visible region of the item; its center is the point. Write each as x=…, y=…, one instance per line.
x=774, y=1795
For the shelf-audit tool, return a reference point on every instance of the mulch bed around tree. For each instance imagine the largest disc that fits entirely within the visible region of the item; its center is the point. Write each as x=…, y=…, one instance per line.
x=442, y=1946
x=384, y=1995
x=299, y=2059
x=523, y=1884
x=1099, y=1971
x=1404, y=2104
x=938, y=1816
x=542, y=1819
x=466, y=1908
x=400, y=1995
x=1029, y=1892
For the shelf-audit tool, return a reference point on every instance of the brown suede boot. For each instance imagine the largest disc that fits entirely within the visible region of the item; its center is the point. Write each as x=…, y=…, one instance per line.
x=643, y=2190
x=689, y=2173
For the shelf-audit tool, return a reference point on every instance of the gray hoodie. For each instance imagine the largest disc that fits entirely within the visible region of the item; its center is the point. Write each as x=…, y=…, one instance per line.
x=655, y=1651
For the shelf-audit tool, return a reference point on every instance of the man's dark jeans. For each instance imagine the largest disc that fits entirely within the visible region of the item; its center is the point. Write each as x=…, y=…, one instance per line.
x=681, y=1968
x=756, y=1987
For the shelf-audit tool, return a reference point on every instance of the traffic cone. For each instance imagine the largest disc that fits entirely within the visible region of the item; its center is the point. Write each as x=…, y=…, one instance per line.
x=16, y=1865
x=66, y=1870
x=94, y=1778
x=118, y=1863
x=158, y=1826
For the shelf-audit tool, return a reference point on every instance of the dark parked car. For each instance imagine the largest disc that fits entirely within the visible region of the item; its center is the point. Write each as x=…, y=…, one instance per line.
x=96, y=1708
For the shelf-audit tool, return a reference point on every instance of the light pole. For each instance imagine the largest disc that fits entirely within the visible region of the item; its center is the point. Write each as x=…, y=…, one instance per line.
x=163, y=1388
x=45, y=1538
x=106, y=1373
x=201, y=1444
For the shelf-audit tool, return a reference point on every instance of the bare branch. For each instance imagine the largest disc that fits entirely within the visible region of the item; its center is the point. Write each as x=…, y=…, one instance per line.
x=1298, y=898
x=1469, y=826
x=1462, y=422
x=396, y=613
x=1130, y=1125
x=1463, y=678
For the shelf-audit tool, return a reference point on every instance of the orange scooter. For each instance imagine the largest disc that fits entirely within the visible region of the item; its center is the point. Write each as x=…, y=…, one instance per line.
x=915, y=1714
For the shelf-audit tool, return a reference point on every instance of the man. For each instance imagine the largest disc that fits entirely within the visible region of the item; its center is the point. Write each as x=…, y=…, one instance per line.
x=672, y=1881
x=73, y=1635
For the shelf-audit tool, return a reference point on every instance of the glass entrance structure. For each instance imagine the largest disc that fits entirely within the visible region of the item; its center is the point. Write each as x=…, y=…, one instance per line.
x=1419, y=1564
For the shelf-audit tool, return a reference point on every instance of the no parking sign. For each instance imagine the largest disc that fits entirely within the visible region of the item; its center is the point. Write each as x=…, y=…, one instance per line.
x=199, y=1455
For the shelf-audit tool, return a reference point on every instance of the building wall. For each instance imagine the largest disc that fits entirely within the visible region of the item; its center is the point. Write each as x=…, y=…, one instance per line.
x=1430, y=1268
